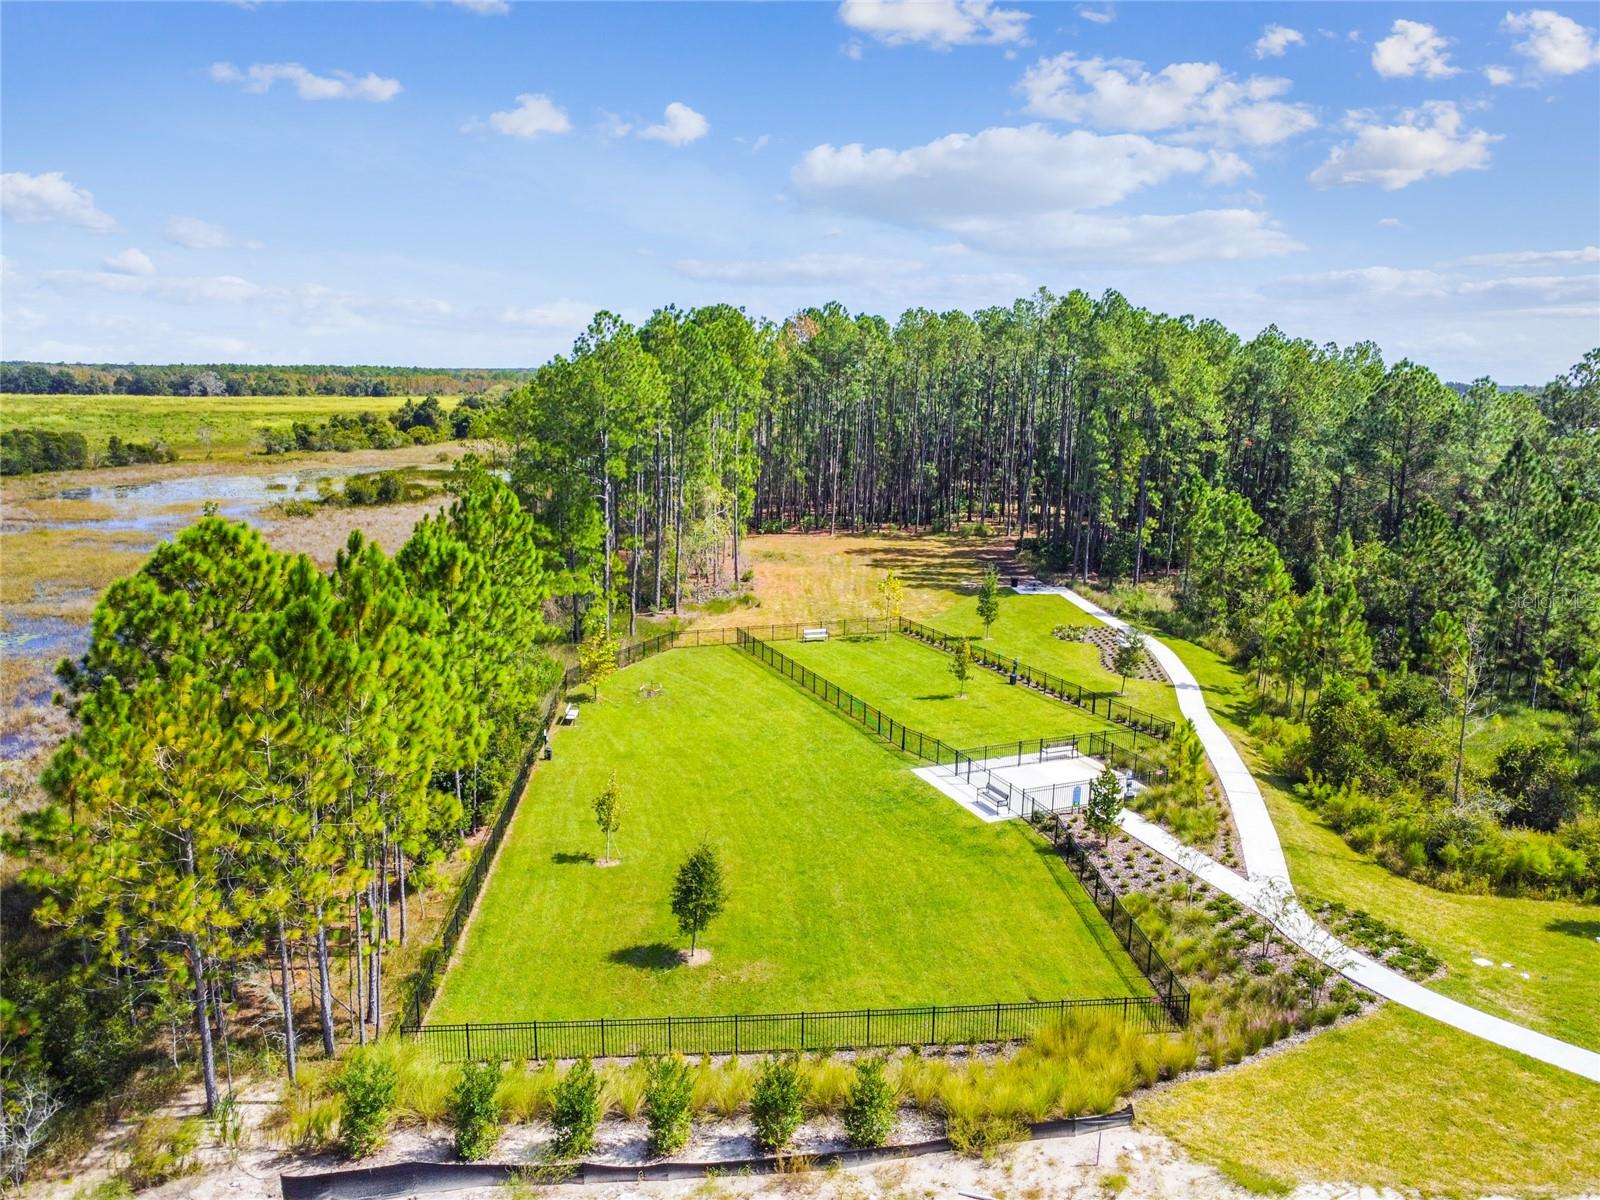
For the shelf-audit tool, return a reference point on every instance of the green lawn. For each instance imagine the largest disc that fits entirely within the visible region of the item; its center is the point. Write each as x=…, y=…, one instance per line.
x=851, y=882
x=1024, y=631
x=229, y=424
x=911, y=681
x=1393, y=1100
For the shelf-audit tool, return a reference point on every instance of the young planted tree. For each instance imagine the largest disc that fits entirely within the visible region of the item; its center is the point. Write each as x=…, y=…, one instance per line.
x=597, y=658
x=989, y=599
x=698, y=893
x=1130, y=655
x=608, y=814
x=891, y=600
x=1105, y=802
x=961, y=665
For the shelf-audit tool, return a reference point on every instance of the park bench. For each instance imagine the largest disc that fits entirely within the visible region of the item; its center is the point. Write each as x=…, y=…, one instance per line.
x=1063, y=750
x=814, y=635
x=998, y=795
x=571, y=715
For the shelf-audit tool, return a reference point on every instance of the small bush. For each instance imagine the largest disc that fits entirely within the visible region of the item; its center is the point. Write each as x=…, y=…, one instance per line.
x=367, y=1088
x=668, y=1095
x=575, y=1110
x=777, y=1105
x=163, y=1149
x=870, y=1110
x=980, y=1136
x=475, y=1106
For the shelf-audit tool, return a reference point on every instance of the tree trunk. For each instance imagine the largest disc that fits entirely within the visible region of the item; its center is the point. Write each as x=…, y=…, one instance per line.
x=202, y=1021
x=324, y=986
x=289, y=1056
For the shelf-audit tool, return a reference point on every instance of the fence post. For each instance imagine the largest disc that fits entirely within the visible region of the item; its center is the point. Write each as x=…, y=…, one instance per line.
x=469, y=1041
x=736, y=1033
x=536, y=1041
x=602, y=1037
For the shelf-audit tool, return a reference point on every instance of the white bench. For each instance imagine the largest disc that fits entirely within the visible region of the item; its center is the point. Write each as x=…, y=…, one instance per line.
x=571, y=715
x=1065, y=750
x=813, y=635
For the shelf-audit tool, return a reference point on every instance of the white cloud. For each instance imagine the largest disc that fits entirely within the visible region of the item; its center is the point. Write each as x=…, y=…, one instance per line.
x=535, y=114
x=681, y=126
x=558, y=315
x=1027, y=169
x=485, y=8
x=1563, y=295
x=1098, y=16
x=1390, y=222
x=1023, y=191
x=1275, y=39
x=1427, y=141
x=341, y=85
x=936, y=23
x=196, y=234
x=1534, y=258
x=760, y=144
x=181, y=289
x=1413, y=48
x=1556, y=44
x=131, y=261
x=50, y=197
x=1201, y=99
x=799, y=269
x=1499, y=76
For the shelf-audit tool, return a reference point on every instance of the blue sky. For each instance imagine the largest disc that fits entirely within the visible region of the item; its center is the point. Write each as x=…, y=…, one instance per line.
x=465, y=183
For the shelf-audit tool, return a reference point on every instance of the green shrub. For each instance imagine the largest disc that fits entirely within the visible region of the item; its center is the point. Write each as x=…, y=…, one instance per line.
x=367, y=1088
x=777, y=1105
x=668, y=1096
x=870, y=1110
x=475, y=1104
x=163, y=1149
x=575, y=1109
x=980, y=1136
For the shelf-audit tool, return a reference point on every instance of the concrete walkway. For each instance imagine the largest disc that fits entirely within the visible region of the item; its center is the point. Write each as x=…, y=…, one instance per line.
x=1268, y=892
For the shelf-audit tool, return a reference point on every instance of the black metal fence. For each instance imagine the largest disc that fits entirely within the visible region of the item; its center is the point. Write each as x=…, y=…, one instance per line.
x=1101, y=704
x=761, y=1033
x=436, y=959
x=729, y=636
x=1104, y=744
x=1134, y=940
x=923, y=745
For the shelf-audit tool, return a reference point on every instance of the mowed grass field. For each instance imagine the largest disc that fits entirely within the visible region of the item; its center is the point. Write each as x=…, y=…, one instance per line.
x=1395, y=1100
x=850, y=881
x=1024, y=631
x=224, y=425
x=911, y=681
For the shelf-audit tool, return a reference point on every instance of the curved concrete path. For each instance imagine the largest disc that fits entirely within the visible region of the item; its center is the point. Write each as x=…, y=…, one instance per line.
x=1268, y=892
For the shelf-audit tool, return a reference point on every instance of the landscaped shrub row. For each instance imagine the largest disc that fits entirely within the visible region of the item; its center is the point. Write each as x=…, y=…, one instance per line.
x=1082, y=1064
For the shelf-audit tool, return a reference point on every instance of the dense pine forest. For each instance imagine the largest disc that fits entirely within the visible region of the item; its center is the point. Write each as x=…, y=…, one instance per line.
x=242, y=379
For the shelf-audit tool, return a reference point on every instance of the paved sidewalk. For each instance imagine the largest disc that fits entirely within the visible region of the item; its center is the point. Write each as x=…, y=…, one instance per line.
x=1268, y=892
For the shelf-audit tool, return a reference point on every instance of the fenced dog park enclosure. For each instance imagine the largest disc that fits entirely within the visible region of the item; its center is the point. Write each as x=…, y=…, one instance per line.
x=864, y=908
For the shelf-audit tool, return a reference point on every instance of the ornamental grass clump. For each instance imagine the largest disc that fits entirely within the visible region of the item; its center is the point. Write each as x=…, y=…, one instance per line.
x=575, y=1110
x=869, y=1110
x=827, y=1084
x=668, y=1099
x=623, y=1091
x=778, y=1103
x=525, y=1092
x=724, y=1089
x=367, y=1088
x=476, y=1108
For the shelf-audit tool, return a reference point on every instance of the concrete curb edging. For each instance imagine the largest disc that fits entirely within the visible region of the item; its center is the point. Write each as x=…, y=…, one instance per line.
x=418, y=1178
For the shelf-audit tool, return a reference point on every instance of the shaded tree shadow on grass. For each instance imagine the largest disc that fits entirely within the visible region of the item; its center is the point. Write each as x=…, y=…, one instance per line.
x=648, y=956
x=568, y=858
x=1583, y=929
